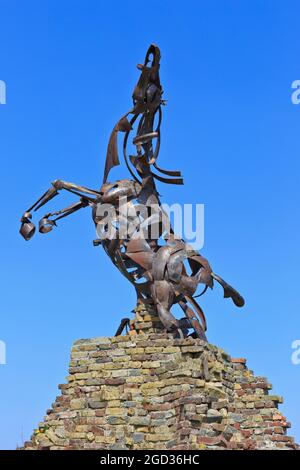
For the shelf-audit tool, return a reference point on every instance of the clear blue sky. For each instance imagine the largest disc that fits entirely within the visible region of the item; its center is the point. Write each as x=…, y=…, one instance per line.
x=227, y=69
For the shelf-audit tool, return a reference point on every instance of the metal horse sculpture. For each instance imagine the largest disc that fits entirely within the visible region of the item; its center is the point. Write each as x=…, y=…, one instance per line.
x=163, y=269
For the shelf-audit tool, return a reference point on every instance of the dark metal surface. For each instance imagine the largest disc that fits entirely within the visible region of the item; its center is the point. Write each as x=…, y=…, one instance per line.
x=157, y=266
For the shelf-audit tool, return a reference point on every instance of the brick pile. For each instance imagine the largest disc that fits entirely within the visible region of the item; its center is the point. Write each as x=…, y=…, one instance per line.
x=148, y=390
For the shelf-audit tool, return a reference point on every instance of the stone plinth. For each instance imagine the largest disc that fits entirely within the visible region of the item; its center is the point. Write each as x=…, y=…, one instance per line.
x=151, y=391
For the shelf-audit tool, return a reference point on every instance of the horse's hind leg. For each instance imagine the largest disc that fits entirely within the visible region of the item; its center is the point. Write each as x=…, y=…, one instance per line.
x=163, y=296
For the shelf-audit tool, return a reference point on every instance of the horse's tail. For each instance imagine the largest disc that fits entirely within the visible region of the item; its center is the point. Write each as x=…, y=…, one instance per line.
x=229, y=291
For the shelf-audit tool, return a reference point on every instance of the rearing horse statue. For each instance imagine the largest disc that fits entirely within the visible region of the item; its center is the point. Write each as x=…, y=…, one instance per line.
x=163, y=268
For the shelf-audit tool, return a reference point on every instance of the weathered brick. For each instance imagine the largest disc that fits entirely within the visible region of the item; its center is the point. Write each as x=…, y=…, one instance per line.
x=151, y=391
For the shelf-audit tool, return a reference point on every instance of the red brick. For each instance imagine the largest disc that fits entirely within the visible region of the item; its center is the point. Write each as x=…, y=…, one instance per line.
x=239, y=360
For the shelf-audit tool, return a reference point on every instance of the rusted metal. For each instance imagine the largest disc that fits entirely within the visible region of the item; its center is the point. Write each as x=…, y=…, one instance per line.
x=124, y=324
x=155, y=266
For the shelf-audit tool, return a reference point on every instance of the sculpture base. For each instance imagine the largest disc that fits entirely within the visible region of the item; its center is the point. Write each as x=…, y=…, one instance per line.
x=151, y=391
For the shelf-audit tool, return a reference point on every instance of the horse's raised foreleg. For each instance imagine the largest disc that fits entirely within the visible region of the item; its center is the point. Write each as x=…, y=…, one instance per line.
x=28, y=229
